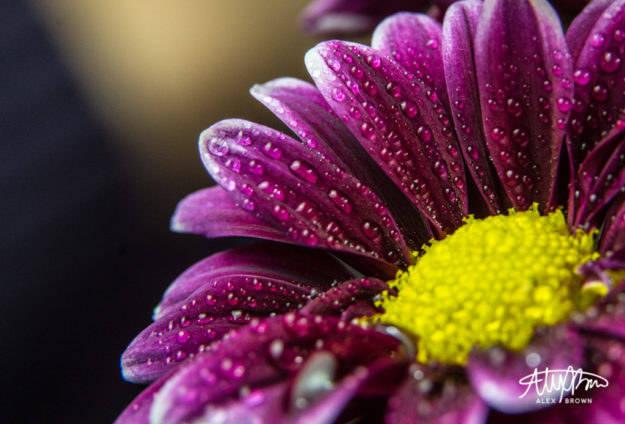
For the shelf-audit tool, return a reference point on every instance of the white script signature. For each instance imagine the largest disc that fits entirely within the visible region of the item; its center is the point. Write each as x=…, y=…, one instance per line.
x=565, y=381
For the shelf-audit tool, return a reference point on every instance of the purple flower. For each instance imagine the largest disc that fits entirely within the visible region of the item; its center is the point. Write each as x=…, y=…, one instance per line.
x=356, y=16
x=449, y=230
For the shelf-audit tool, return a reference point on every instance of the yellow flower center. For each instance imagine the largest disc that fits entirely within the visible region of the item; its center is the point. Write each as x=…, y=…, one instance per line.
x=491, y=283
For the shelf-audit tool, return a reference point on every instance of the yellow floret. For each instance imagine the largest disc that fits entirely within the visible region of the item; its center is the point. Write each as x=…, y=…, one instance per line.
x=491, y=283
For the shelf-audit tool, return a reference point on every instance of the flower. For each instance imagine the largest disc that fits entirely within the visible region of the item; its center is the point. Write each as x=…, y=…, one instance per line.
x=356, y=16
x=435, y=304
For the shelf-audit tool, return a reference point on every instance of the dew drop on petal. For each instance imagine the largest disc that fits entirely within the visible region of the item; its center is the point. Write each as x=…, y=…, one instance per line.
x=609, y=62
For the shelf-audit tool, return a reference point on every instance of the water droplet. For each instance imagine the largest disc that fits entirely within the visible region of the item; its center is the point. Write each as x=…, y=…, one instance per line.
x=272, y=190
x=356, y=71
x=218, y=147
x=183, y=336
x=367, y=130
x=181, y=355
x=582, y=76
x=520, y=136
x=370, y=88
x=514, y=107
x=338, y=94
x=340, y=200
x=272, y=151
x=394, y=89
x=248, y=204
x=497, y=133
x=256, y=167
x=211, y=300
x=374, y=61
x=597, y=39
x=424, y=133
x=304, y=171
x=280, y=212
x=619, y=35
x=563, y=104
x=609, y=62
x=234, y=165
x=370, y=229
x=409, y=108
x=599, y=92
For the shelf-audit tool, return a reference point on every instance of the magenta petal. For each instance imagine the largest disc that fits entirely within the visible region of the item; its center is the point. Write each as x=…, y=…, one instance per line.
x=525, y=76
x=613, y=233
x=266, y=353
x=414, y=41
x=495, y=373
x=406, y=132
x=212, y=213
x=600, y=177
x=337, y=299
x=226, y=303
x=459, y=29
x=348, y=16
x=297, y=190
x=138, y=412
x=303, y=109
x=608, y=360
x=607, y=317
x=596, y=42
x=431, y=396
x=267, y=260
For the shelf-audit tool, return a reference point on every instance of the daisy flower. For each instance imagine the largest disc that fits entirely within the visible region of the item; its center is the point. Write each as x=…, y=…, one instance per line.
x=448, y=230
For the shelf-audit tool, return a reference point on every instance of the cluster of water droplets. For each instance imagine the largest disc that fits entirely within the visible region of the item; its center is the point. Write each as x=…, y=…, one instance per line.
x=401, y=122
x=214, y=310
x=301, y=190
x=599, y=81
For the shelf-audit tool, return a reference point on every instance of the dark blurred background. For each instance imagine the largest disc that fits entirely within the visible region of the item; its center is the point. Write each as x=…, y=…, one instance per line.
x=101, y=104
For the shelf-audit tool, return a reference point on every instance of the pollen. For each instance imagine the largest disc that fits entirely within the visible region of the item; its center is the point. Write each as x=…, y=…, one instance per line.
x=491, y=283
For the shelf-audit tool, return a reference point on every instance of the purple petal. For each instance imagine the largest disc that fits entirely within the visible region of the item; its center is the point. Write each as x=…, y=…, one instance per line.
x=348, y=16
x=266, y=260
x=459, y=29
x=211, y=312
x=337, y=299
x=600, y=178
x=495, y=373
x=303, y=109
x=431, y=396
x=266, y=353
x=596, y=42
x=525, y=76
x=297, y=190
x=607, y=317
x=414, y=41
x=138, y=412
x=607, y=359
x=407, y=134
x=212, y=213
x=613, y=233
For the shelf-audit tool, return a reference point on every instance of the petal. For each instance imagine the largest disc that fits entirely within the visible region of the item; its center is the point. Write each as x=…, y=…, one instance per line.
x=348, y=16
x=607, y=360
x=607, y=317
x=459, y=29
x=596, y=40
x=269, y=352
x=212, y=213
x=266, y=260
x=496, y=373
x=613, y=232
x=211, y=312
x=303, y=109
x=525, y=76
x=388, y=111
x=337, y=299
x=431, y=396
x=298, y=191
x=414, y=41
x=600, y=178
x=138, y=412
